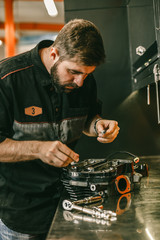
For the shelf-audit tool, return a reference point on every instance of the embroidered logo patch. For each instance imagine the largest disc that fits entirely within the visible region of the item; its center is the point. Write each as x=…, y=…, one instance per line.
x=33, y=111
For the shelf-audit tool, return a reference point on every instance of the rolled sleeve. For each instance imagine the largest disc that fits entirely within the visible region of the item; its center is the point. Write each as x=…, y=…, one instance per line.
x=2, y=138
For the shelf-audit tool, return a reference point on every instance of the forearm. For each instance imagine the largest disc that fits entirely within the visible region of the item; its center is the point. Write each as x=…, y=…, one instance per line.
x=15, y=151
x=89, y=128
x=54, y=153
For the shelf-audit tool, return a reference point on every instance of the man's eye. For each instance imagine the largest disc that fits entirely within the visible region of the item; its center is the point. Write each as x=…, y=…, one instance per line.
x=73, y=72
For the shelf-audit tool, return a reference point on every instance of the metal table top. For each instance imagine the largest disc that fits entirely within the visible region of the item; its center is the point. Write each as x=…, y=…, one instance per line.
x=138, y=214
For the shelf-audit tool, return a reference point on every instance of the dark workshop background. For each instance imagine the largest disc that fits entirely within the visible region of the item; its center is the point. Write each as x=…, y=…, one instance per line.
x=124, y=26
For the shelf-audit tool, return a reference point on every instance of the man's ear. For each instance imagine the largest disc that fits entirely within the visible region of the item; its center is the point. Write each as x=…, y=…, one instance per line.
x=54, y=54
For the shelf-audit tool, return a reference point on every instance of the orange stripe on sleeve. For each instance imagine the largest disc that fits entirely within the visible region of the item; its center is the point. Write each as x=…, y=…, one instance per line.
x=16, y=71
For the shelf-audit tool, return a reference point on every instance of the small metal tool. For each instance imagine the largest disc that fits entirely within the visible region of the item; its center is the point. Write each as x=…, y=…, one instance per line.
x=69, y=216
x=94, y=212
x=148, y=95
x=88, y=200
x=103, y=132
x=156, y=72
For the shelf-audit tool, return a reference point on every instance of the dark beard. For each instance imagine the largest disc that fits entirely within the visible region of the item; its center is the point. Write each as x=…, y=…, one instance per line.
x=55, y=77
x=56, y=80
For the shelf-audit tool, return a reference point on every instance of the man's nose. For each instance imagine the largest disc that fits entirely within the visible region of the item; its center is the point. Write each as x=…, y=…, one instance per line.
x=79, y=80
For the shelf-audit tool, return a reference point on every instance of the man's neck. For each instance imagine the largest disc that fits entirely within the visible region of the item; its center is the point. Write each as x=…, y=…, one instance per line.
x=45, y=58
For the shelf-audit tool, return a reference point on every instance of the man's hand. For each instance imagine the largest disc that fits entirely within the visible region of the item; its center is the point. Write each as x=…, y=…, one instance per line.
x=107, y=130
x=54, y=153
x=57, y=154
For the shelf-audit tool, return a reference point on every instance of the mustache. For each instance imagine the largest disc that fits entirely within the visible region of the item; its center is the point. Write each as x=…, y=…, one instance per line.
x=74, y=85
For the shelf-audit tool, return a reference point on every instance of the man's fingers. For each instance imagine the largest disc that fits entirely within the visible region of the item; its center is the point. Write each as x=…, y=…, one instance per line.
x=107, y=138
x=57, y=154
x=109, y=134
x=106, y=126
x=67, y=153
x=113, y=133
x=59, y=159
x=112, y=127
x=64, y=159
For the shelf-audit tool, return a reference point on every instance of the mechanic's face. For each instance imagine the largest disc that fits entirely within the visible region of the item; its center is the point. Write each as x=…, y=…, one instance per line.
x=70, y=75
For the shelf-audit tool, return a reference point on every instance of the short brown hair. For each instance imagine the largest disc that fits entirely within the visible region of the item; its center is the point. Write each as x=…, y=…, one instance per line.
x=81, y=40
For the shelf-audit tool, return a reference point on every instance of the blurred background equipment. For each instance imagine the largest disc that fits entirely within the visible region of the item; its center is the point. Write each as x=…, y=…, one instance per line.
x=23, y=23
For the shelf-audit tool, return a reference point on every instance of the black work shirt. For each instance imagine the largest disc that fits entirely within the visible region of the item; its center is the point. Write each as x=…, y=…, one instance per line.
x=31, y=108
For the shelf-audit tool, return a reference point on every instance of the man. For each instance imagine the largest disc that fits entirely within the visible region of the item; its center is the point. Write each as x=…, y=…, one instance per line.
x=47, y=99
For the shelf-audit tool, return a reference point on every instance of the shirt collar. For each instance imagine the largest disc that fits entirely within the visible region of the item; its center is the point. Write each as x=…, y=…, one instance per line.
x=36, y=59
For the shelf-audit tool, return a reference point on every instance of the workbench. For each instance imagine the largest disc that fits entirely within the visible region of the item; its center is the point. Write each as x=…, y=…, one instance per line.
x=138, y=214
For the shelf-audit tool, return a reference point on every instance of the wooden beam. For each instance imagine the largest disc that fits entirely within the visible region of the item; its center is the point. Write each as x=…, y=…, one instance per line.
x=39, y=26
x=37, y=0
x=36, y=26
x=9, y=29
